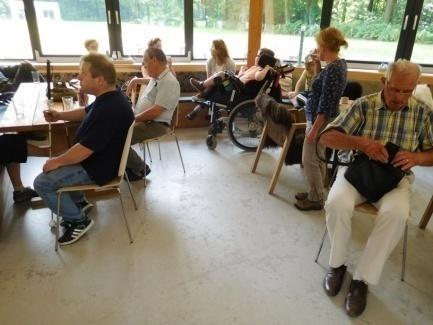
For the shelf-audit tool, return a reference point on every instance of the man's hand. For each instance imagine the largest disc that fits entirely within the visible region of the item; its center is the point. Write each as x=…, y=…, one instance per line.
x=375, y=150
x=50, y=164
x=131, y=86
x=51, y=115
x=405, y=160
x=292, y=94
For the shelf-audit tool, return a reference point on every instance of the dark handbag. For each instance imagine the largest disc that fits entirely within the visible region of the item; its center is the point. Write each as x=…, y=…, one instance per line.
x=374, y=179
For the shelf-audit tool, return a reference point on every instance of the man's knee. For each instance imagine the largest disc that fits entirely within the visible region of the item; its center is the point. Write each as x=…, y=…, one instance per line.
x=336, y=206
x=41, y=182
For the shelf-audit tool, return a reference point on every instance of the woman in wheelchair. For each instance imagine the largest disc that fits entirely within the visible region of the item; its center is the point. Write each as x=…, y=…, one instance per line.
x=224, y=82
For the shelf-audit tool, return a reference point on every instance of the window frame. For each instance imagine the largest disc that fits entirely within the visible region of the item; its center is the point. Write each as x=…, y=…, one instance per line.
x=405, y=43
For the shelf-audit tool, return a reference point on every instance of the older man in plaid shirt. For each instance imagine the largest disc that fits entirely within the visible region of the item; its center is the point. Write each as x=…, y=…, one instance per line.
x=391, y=115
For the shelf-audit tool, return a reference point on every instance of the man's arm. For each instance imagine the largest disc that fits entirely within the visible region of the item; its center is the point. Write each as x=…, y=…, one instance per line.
x=74, y=115
x=149, y=114
x=339, y=140
x=73, y=156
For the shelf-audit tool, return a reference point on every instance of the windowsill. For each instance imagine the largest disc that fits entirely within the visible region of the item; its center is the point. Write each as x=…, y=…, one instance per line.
x=359, y=74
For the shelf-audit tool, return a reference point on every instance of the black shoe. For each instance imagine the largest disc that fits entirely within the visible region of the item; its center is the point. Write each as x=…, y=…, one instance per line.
x=85, y=206
x=356, y=299
x=333, y=280
x=301, y=196
x=132, y=177
x=24, y=195
x=73, y=232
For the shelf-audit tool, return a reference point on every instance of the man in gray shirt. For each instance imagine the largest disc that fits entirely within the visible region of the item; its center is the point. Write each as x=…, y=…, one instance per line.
x=154, y=108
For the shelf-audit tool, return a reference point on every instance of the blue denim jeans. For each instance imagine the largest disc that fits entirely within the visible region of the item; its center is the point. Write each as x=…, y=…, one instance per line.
x=46, y=185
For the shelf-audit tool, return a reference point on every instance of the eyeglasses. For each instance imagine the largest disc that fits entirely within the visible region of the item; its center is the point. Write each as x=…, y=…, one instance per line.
x=405, y=92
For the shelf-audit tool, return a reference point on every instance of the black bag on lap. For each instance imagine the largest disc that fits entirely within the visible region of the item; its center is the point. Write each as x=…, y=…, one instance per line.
x=374, y=179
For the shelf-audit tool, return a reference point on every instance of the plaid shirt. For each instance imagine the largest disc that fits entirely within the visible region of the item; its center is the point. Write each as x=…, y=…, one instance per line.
x=411, y=127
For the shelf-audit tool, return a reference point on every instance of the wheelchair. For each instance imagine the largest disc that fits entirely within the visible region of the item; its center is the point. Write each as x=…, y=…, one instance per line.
x=233, y=106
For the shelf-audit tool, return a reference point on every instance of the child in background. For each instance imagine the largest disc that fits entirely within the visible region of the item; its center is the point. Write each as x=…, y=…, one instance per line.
x=91, y=45
x=297, y=97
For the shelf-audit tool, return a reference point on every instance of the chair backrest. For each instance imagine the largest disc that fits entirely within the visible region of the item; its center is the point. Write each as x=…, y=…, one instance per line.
x=125, y=151
x=174, y=118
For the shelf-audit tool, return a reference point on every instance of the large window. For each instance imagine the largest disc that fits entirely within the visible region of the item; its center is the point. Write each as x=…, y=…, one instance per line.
x=143, y=20
x=289, y=27
x=12, y=18
x=423, y=49
x=65, y=25
x=227, y=20
x=377, y=30
x=372, y=28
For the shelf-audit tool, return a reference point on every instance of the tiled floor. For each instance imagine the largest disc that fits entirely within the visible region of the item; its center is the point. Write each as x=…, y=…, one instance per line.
x=211, y=247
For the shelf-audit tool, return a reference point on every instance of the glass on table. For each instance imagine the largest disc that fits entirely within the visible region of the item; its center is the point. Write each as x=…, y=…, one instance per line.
x=35, y=77
x=68, y=102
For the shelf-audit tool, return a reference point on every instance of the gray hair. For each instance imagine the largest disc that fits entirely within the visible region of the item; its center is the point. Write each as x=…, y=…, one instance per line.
x=152, y=52
x=403, y=66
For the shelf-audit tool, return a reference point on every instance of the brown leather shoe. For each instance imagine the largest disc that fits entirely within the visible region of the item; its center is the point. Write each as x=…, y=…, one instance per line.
x=356, y=298
x=301, y=196
x=307, y=205
x=333, y=280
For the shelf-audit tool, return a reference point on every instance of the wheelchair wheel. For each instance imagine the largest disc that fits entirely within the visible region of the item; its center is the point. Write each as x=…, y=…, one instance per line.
x=211, y=142
x=245, y=125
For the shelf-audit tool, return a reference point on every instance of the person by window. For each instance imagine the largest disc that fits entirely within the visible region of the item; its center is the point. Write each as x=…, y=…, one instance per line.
x=91, y=45
x=264, y=62
x=302, y=92
x=321, y=108
x=154, y=108
x=220, y=59
x=145, y=77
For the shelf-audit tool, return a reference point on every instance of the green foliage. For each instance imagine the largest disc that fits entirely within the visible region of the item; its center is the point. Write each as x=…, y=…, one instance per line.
x=4, y=9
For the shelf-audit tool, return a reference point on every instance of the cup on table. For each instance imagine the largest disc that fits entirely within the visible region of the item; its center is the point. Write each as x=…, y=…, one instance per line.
x=19, y=109
x=36, y=76
x=68, y=103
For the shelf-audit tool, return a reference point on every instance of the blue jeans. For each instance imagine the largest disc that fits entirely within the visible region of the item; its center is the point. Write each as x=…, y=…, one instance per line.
x=46, y=185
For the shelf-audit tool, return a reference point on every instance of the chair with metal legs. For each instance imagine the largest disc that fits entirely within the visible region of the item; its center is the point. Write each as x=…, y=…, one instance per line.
x=370, y=209
x=113, y=185
x=170, y=131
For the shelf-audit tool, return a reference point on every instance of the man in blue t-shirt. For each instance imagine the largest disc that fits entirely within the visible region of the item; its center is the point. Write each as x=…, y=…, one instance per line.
x=95, y=156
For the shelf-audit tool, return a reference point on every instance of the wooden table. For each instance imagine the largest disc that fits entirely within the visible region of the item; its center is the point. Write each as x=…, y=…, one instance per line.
x=30, y=98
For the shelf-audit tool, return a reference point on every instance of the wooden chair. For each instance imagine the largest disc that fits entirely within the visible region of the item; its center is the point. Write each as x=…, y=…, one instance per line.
x=113, y=185
x=427, y=215
x=285, y=143
x=170, y=132
x=368, y=208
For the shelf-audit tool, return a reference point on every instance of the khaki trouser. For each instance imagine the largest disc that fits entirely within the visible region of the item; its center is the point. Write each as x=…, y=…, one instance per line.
x=144, y=131
x=314, y=168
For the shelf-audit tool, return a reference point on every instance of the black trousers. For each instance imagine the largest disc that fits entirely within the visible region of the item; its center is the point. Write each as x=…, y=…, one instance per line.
x=13, y=148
